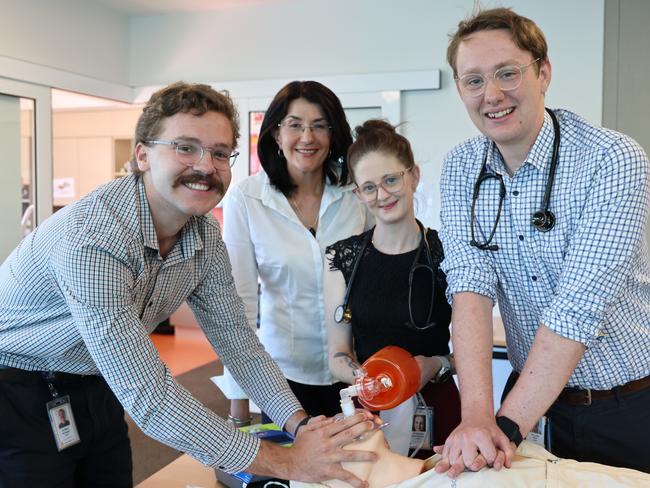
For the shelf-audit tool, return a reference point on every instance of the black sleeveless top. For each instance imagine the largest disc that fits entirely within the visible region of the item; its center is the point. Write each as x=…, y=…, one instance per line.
x=379, y=298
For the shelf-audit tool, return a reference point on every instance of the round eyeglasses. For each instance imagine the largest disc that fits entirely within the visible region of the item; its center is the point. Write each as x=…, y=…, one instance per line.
x=506, y=78
x=191, y=153
x=391, y=183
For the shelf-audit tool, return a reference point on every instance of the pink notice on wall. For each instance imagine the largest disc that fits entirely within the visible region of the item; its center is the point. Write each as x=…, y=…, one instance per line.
x=255, y=123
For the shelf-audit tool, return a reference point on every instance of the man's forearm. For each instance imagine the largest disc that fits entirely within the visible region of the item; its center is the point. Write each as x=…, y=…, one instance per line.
x=472, y=340
x=550, y=363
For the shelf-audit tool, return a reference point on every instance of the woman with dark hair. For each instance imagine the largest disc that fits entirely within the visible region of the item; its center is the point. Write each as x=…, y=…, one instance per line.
x=277, y=225
x=385, y=287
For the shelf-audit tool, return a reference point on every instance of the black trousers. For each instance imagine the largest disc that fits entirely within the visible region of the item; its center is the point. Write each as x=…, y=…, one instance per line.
x=28, y=452
x=316, y=399
x=613, y=431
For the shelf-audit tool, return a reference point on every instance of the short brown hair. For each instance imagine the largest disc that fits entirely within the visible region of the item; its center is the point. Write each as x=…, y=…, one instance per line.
x=377, y=135
x=181, y=97
x=525, y=33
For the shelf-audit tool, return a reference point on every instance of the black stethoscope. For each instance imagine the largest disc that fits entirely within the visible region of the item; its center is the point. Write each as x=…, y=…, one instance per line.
x=343, y=312
x=543, y=220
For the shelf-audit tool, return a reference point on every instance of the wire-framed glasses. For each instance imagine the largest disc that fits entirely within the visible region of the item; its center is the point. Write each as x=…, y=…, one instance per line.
x=296, y=128
x=191, y=153
x=506, y=78
x=392, y=183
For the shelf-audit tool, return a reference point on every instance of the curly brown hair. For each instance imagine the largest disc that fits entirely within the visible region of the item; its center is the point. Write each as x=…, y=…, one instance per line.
x=181, y=97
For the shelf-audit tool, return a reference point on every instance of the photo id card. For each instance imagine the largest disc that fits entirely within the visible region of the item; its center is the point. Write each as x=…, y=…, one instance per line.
x=64, y=427
x=422, y=428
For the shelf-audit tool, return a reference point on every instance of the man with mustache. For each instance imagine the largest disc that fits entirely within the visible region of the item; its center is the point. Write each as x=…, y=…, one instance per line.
x=79, y=296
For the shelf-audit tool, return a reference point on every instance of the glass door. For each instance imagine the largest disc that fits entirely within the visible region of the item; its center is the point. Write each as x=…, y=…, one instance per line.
x=21, y=164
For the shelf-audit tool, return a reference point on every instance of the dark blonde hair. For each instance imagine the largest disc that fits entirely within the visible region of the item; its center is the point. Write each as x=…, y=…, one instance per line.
x=524, y=32
x=376, y=135
x=181, y=97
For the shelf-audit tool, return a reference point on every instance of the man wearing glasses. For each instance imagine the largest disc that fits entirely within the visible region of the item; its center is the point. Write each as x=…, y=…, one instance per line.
x=79, y=296
x=546, y=214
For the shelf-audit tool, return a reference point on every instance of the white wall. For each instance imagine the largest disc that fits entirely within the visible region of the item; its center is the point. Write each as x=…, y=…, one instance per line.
x=305, y=39
x=73, y=36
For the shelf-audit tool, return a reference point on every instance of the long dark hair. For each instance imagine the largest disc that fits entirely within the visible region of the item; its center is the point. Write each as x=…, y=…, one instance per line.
x=275, y=166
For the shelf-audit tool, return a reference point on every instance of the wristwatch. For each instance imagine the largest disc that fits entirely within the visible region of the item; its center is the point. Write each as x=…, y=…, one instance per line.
x=510, y=428
x=444, y=373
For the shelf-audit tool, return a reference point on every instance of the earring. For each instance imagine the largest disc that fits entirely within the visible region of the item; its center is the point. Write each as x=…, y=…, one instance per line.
x=329, y=154
x=280, y=153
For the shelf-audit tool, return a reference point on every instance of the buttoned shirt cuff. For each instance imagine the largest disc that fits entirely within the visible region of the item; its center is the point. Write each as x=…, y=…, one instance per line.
x=574, y=328
x=282, y=407
x=242, y=450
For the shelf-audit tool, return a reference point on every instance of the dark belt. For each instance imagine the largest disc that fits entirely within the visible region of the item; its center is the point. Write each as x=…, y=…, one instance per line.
x=574, y=396
x=22, y=375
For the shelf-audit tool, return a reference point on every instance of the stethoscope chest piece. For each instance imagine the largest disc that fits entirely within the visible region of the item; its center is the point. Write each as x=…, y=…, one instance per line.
x=342, y=314
x=543, y=220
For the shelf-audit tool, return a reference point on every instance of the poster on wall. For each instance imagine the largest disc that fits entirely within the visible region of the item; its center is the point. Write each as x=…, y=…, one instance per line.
x=255, y=123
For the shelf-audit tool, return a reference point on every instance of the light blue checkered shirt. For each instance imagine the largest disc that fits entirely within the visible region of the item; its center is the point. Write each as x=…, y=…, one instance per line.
x=588, y=279
x=81, y=293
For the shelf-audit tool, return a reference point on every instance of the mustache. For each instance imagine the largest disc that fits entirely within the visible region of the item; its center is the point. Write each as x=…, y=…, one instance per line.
x=215, y=183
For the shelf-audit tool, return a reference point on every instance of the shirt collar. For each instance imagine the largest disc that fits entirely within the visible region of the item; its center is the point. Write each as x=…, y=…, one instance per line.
x=274, y=199
x=149, y=237
x=190, y=238
x=539, y=155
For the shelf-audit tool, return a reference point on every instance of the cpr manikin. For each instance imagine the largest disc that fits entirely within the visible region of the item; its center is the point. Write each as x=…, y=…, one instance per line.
x=532, y=465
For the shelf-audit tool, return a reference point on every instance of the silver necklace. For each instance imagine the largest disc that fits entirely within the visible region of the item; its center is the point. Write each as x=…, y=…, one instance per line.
x=311, y=228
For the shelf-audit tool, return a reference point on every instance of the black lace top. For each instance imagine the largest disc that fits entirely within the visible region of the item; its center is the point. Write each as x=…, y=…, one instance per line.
x=379, y=298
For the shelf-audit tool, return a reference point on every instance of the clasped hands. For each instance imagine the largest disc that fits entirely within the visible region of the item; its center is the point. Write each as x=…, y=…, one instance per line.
x=473, y=445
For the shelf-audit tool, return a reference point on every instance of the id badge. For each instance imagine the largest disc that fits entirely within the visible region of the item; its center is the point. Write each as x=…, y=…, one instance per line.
x=422, y=428
x=62, y=421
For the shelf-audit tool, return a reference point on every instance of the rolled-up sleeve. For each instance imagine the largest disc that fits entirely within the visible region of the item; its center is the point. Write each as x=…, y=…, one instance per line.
x=467, y=268
x=609, y=234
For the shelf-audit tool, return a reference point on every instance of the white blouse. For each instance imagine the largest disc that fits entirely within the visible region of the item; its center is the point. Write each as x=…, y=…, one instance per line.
x=266, y=240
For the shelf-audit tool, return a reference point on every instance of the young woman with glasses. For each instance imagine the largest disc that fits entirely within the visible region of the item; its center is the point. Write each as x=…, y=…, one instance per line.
x=396, y=294
x=277, y=225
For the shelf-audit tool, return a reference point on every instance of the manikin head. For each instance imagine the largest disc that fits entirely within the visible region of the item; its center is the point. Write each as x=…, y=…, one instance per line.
x=389, y=469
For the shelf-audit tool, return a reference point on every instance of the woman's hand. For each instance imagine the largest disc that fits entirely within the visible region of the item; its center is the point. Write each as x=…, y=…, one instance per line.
x=429, y=367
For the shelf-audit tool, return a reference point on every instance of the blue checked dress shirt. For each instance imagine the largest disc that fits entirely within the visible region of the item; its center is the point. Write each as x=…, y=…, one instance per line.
x=83, y=291
x=588, y=279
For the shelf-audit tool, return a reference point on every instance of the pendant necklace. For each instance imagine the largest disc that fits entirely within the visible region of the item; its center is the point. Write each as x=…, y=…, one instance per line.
x=311, y=228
